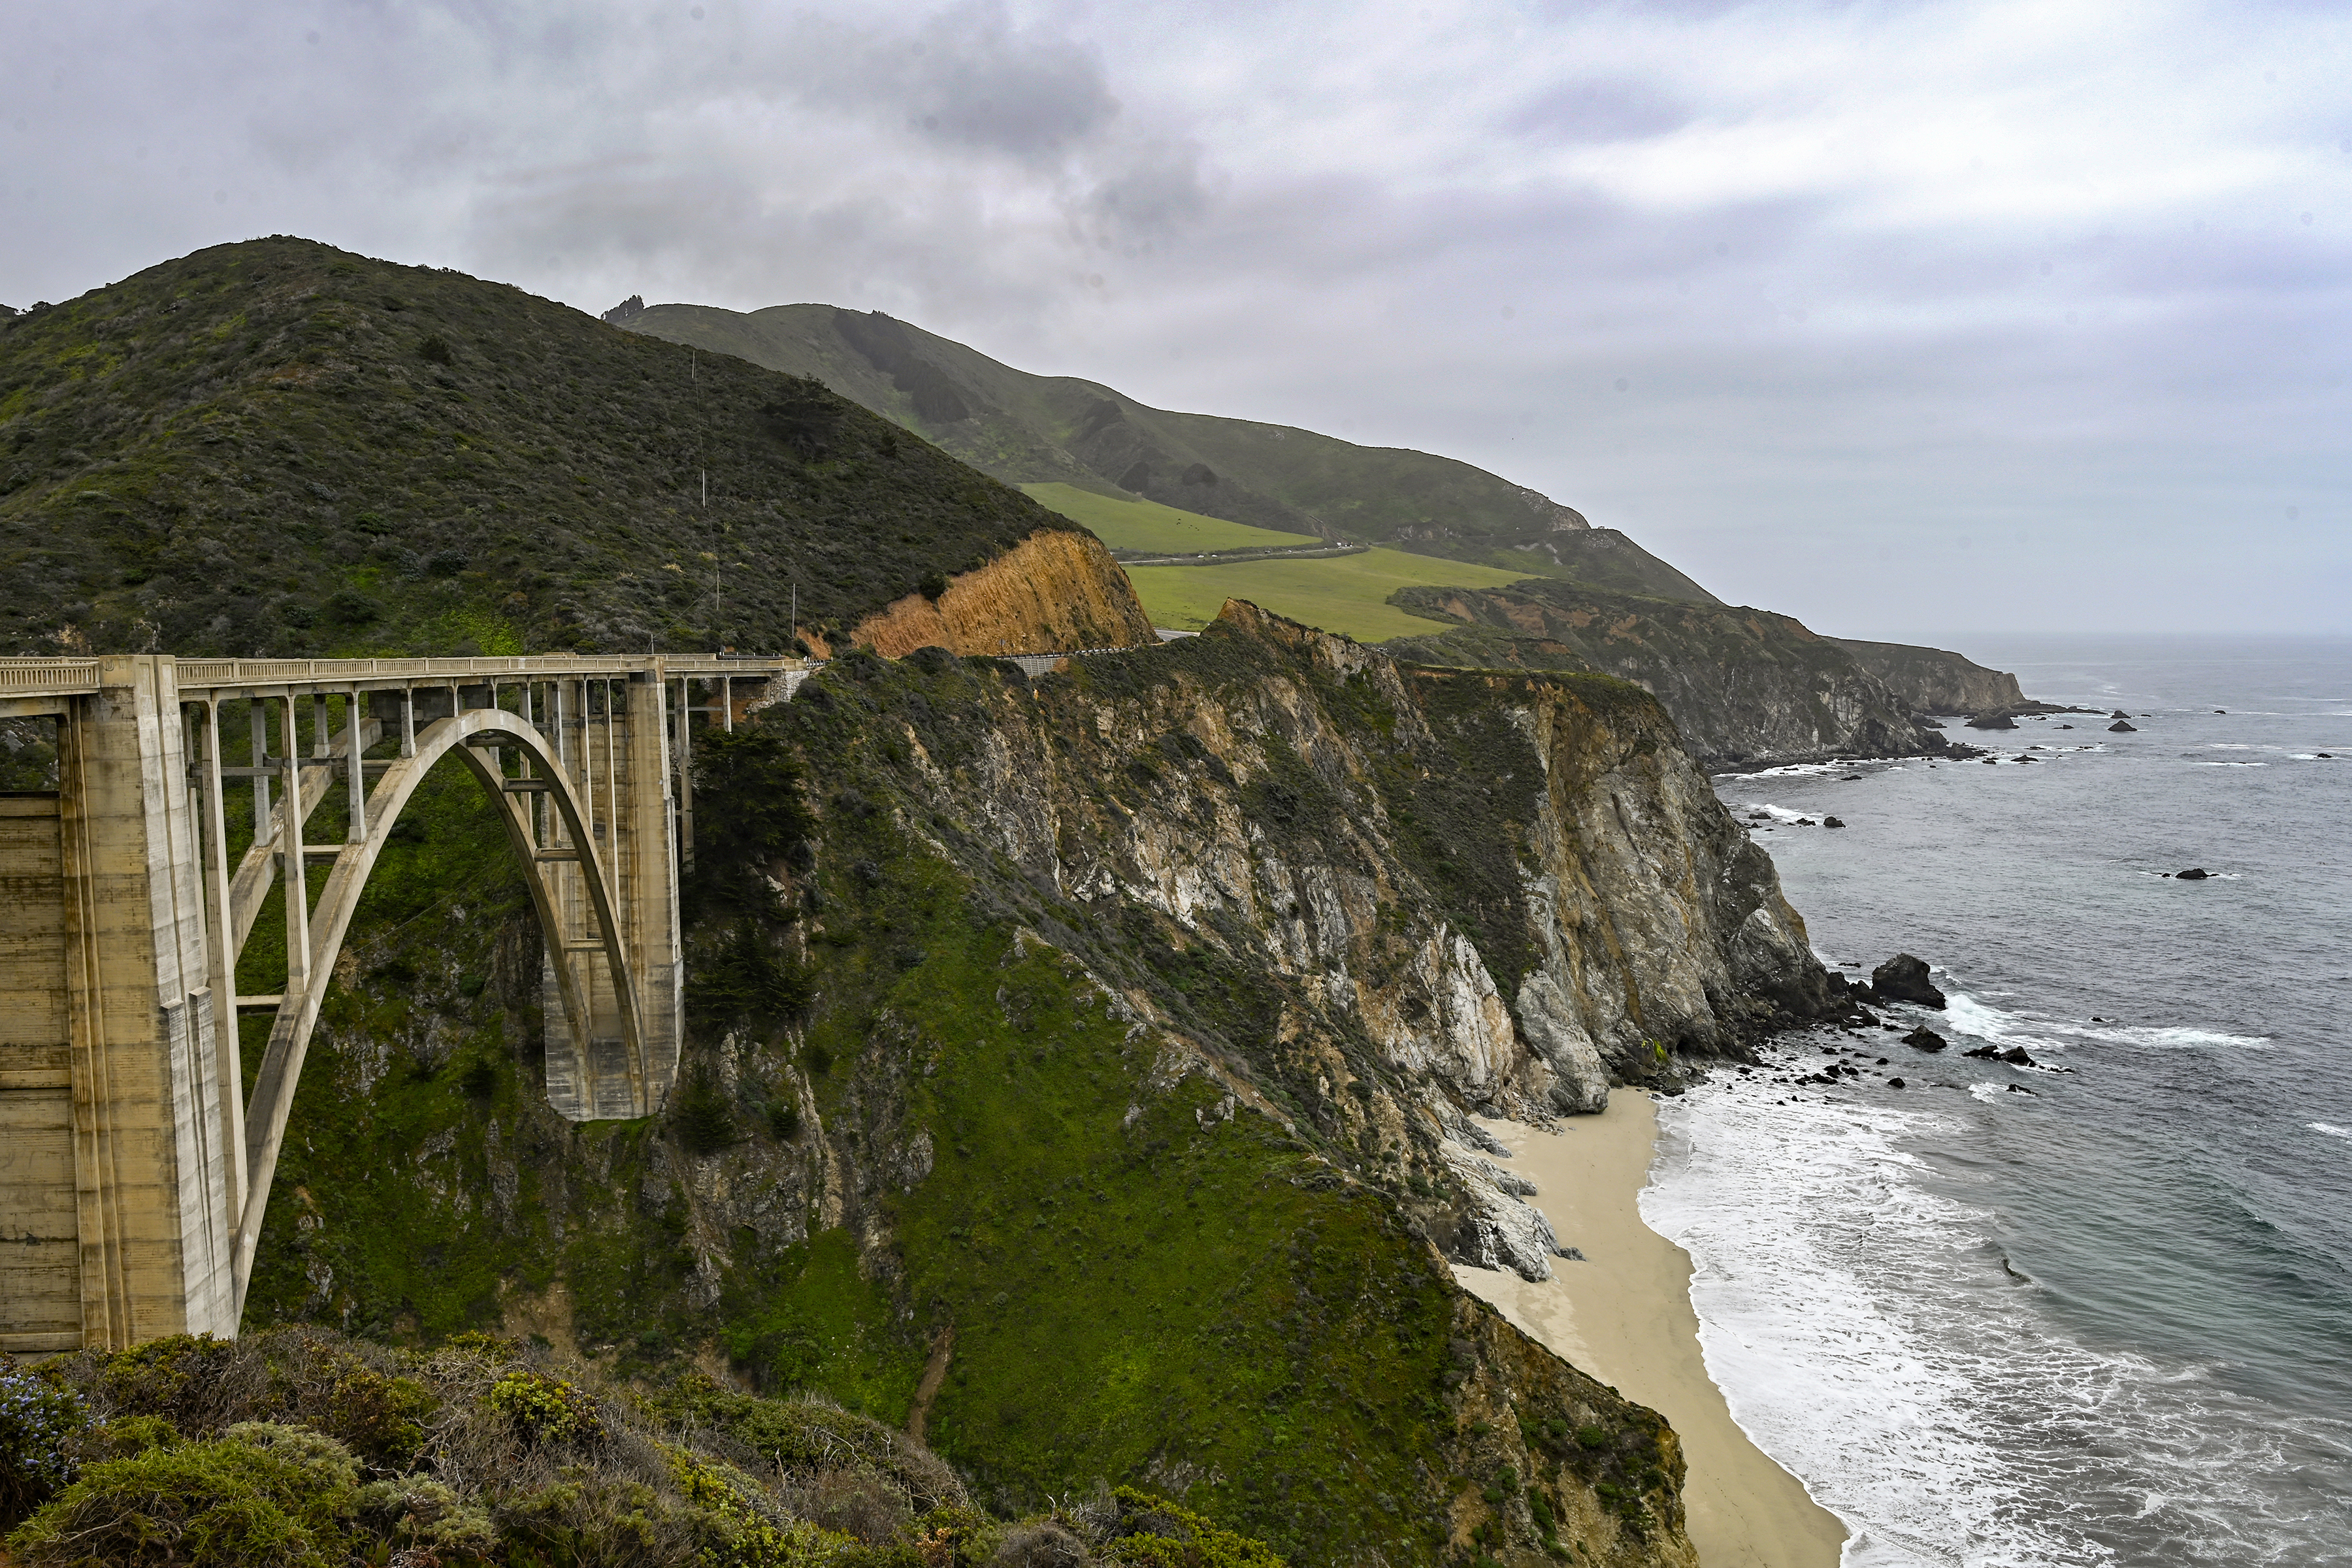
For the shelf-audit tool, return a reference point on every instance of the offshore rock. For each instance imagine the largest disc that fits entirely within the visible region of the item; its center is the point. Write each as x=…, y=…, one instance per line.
x=1904, y=978
x=2120, y=728
x=1991, y=722
x=1924, y=1039
x=2194, y=874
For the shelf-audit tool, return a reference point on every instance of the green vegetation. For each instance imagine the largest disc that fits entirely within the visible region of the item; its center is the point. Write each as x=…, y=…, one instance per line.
x=1131, y=524
x=277, y=447
x=1345, y=594
x=921, y=1160
x=1032, y=429
x=204, y=1452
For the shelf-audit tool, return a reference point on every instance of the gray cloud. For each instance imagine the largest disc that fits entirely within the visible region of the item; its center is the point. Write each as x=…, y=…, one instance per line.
x=1925, y=317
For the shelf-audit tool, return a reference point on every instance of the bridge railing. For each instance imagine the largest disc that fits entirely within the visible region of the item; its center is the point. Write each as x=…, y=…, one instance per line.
x=79, y=676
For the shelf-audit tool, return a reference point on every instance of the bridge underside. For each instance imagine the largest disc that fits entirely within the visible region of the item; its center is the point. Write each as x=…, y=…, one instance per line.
x=133, y=1172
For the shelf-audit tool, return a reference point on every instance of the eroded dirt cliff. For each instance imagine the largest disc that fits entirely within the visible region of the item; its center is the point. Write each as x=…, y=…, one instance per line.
x=1054, y=591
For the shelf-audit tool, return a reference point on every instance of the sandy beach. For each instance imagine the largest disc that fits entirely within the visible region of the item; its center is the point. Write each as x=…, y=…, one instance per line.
x=1624, y=1316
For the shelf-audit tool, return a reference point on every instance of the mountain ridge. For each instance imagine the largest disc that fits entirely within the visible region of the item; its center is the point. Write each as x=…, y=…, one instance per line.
x=1025, y=429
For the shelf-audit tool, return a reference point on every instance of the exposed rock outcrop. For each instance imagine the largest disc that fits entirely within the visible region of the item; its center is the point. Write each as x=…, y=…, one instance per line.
x=1904, y=978
x=1933, y=679
x=1746, y=687
x=1052, y=593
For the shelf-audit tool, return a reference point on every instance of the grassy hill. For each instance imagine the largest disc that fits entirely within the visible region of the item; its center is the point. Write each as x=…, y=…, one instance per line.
x=279, y=447
x=1346, y=594
x=1132, y=524
x=1035, y=430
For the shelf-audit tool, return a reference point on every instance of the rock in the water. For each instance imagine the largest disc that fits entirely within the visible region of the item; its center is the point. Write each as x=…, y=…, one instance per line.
x=2120, y=728
x=1905, y=979
x=2015, y=1055
x=2194, y=874
x=2066, y=726
x=2019, y=1089
x=2118, y=713
x=1991, y=722
x=1924, y=1039
x=1831, y=822
x=1985, y=1051
x=1896, y=1083
x=2223, y=711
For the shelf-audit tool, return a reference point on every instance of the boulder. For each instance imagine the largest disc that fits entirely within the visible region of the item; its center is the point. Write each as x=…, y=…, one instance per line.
x=1831, y=822
x=1991, y=722
x=2015, y=1055
x=2194, y=874
x=2118, y=713
x=2120, y=728
x=1904, y=978
x=1895, y=1083
x=1924, y=1039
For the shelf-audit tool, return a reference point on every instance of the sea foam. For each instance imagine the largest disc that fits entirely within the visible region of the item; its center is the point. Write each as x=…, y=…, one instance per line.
x=1872, y=1333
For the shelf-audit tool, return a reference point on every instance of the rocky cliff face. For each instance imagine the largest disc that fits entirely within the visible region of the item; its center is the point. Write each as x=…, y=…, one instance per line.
x=1933, y=681
x=1080, y=1069
x=1052, y=593
x=1746, y=687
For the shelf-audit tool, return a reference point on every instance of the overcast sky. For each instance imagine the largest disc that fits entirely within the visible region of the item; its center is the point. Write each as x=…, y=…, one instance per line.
x=1907, y=320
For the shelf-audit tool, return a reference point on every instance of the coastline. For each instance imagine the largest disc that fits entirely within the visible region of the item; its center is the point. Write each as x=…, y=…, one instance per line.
x=1624, y=1316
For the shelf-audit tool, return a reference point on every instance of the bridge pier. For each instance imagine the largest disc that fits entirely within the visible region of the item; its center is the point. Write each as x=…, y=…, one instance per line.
x=114, y=1185
x=130, y=1196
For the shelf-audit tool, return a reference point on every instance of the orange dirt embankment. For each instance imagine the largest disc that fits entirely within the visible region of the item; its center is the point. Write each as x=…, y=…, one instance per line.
x=1053, y=592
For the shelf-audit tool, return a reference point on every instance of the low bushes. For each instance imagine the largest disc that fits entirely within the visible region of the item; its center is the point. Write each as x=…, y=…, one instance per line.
x=300, y=1449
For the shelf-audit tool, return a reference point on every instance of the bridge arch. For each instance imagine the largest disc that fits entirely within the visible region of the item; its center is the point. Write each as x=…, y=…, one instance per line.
x=471, y=735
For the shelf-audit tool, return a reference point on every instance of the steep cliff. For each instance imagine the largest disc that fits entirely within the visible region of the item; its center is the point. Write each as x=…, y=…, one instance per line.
x=1052, y=593
x=1933, y=681
x=1746, y=687
x=1078, y=1069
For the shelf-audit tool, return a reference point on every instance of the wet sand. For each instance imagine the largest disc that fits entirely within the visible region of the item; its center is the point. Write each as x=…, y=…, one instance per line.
x=1624, y=1316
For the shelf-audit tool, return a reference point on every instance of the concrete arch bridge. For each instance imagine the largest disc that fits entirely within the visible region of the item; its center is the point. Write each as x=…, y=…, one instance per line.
x=134, y=1170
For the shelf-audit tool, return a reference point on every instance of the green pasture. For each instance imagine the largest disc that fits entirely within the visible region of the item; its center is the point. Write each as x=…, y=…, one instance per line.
x=1148, y=525
x=1345, y=594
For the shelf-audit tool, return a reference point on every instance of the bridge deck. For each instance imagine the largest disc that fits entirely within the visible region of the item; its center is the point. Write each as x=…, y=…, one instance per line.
x=28, y=684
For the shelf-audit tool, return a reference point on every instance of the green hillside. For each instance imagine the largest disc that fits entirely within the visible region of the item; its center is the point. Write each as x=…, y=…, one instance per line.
x=1144, y=525
x=279, y=447
x=1344, y=594
x=1033, y=429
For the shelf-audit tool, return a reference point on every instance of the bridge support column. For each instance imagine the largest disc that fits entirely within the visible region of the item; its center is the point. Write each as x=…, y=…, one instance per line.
x=113, y=1158
x=621, y=769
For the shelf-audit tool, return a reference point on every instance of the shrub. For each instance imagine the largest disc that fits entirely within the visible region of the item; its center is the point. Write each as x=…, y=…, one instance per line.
x=265, y=1495
x=548, y=1409
x=39, y=1423
x=1152, y=1533
x=422, y=1515
x=705, y=1123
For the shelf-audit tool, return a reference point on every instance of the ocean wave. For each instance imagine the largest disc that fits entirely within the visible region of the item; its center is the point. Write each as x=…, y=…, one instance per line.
x=2330, y=1129
x=1871, y=1334
x=1969, y=1014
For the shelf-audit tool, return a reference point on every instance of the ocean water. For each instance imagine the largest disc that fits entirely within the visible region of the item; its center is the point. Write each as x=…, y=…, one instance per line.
x=2098, y=1310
